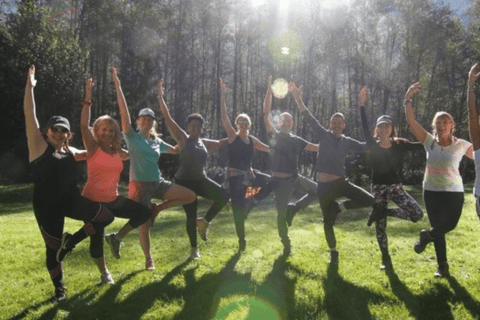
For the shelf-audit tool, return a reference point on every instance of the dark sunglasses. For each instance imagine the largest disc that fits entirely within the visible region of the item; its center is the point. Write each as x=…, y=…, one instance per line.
x=242, y=122
x=62, y=130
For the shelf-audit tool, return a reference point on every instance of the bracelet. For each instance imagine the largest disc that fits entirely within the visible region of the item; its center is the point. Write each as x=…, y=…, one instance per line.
x=407, y=101
x=86, y=103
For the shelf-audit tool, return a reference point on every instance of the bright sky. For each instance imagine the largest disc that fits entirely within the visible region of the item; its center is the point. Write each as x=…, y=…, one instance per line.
x=458, y=5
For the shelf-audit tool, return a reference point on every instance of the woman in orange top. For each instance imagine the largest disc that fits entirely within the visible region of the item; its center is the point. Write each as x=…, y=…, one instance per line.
x=104, y=165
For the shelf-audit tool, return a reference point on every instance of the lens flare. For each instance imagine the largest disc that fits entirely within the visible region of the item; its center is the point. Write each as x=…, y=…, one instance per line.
x=280, y=88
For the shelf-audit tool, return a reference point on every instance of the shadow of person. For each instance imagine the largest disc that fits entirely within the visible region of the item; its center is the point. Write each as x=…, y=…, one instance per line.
x=345, y=300
x=464, y=297
x=430, y=305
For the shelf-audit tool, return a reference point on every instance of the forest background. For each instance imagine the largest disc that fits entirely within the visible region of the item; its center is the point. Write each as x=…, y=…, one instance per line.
x=331, y=48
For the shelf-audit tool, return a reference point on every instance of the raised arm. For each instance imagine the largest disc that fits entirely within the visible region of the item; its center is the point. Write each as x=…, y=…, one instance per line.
x=267, y=107
x=258, y=145
x=122, y=103
x=178, y=134
x=87, y=136
x=418, y=131
x=231, y=133
x=36, y=143
x=213, y=145
x=362, y=100
x=473, y=124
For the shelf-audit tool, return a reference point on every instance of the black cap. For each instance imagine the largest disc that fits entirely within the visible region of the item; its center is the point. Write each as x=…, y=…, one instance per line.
x=58, y=121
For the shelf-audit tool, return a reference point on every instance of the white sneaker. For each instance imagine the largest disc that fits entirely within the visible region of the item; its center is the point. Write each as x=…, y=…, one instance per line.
x=106, y=278
x=194, y=254
x=202, y=226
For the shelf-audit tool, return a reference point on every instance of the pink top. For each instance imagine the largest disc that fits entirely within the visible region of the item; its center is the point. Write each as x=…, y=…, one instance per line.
x=103, y=175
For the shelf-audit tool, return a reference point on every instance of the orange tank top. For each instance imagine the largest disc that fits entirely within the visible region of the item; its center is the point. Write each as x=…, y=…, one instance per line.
x=103, y=175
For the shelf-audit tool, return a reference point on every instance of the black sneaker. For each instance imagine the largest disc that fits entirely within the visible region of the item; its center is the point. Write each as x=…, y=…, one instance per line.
x=378, y=213
x=442, y=270
x=386, y=263
x=421, y=244
x=290, y=213
x=65, y=247
x=114, y=243
x=333, y=257
x=60, y=294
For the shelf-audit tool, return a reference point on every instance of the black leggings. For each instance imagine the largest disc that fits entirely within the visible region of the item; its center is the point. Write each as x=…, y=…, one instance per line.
x=444, y=210
x=208, y=189
x=238, y=185
x=123, y=208
x=50, y=215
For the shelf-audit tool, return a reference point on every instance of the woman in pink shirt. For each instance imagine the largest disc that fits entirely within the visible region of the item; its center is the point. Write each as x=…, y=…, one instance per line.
x=104, y=164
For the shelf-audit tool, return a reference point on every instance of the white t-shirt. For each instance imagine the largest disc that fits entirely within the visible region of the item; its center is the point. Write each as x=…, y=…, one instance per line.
x=441, y=172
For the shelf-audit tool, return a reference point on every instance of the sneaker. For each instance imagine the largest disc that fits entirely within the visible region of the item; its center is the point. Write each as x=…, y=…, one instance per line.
x=202, y=226
x=421, y=244
x=378, y=213
x=155, y=210
x=149, y=264
x=242, y=245
x=106, y=278
x=386, y=263
x=65, y=247
x=333, y=257
x=60, y=294
x=442, y=271
x=290, y=213
x=194, y=254
x=114, y=243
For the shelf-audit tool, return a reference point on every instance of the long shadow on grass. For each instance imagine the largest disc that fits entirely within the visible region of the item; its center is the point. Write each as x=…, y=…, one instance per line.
x=345, y=300
x=463, y=296
x=431, y=305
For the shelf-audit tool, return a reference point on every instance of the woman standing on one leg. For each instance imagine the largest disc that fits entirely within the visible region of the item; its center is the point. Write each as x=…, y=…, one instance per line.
x=240, y=174
x=146, y=181
x=442, y=184
x=191, y=174
x=104, y=165
x=330, y=167
x=385, y=156
x=55, y=194
x=474, y=130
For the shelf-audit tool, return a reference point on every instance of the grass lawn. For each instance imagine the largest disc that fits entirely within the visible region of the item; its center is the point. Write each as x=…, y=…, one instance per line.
x=258, y=284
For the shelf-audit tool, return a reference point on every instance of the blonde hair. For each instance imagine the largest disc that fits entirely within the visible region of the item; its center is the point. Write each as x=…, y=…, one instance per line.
x=107, y=120
x=443, y=114
x=153, y=131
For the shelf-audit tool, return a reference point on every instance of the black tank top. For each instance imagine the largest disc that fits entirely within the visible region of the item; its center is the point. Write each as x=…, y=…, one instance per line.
x=193, y=159
x=55, y=175
x=240, y=154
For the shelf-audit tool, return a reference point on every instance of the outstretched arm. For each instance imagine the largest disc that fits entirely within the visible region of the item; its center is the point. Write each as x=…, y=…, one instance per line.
x=36, y=143
x=267, y=107
x=258, y=145
x=213, y=145
x=231, y=134
x=87, y=136
x=418, y=131
x=362, y=100
x=473, y=124
x=178, y=134
x=122, y=103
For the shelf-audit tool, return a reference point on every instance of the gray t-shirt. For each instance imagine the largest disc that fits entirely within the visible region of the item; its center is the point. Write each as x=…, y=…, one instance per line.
x=193, y=159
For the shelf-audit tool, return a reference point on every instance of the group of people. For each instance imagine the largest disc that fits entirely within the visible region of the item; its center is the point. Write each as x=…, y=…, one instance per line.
x=57, y=196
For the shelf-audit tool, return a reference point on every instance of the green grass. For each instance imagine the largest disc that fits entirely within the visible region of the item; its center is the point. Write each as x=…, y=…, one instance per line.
x=259, y=284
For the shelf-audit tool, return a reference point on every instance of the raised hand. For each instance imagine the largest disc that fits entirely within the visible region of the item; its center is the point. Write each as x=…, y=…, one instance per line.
x=413, y=90
x=31, y=76
x=269, y=83
x=88, y=90
x=362, y=96
x=160, y=89
x=223, y=86
x=473, y=74
x=115, y=76
x=295, y=90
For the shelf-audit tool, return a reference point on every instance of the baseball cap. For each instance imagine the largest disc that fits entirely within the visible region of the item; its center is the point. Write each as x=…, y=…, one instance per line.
x=58, y=121
x=384, y=119
x=146, y=112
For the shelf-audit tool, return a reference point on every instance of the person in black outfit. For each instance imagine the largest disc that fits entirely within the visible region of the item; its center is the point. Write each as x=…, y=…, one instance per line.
x=56, y=194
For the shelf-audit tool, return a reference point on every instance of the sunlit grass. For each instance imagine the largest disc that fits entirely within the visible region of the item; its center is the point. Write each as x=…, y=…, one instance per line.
x=258, y=284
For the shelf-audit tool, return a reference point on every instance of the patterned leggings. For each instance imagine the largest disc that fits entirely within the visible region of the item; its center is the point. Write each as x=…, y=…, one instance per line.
x=408, y=209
